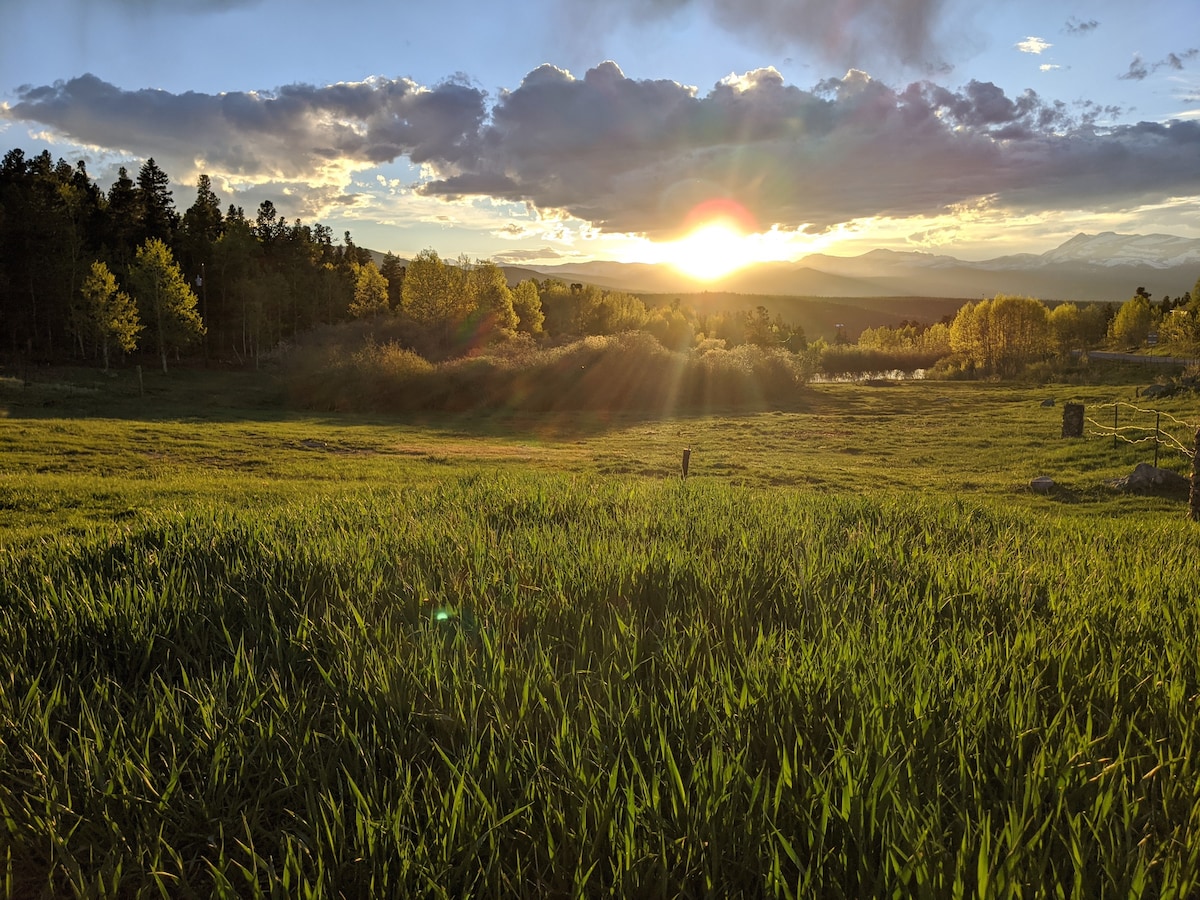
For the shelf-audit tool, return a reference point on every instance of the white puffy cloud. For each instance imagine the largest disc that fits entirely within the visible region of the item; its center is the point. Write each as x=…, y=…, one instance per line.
x=1033, y=45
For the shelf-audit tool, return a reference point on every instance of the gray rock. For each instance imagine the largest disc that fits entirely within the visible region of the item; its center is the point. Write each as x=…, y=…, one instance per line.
x=1146, y=479
x=1043, y=484
x=1049, y=402
x=1155, y=391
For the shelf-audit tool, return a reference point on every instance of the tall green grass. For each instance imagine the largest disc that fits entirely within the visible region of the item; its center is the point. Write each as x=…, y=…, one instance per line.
x=532, y=685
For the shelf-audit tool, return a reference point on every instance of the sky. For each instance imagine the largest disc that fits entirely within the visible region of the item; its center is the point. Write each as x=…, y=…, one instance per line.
x=557, y=131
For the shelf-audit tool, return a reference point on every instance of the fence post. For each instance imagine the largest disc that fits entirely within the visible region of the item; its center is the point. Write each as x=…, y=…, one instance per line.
x=1157, y=436
x=1115, y=407
x=1194, y=498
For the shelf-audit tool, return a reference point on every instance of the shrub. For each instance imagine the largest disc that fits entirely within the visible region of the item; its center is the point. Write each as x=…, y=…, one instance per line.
x=628, y=371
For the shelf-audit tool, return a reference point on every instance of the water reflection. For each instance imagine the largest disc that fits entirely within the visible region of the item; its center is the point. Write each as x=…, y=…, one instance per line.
x=861, y=377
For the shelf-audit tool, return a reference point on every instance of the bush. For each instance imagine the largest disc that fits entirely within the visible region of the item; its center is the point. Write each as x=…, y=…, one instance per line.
x=866, y=361
x=629, y=371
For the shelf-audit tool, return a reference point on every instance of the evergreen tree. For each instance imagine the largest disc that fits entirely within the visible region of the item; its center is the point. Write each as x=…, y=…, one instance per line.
x=201, y=227
x=393, y=270
x=158, y=217
x=124, y=220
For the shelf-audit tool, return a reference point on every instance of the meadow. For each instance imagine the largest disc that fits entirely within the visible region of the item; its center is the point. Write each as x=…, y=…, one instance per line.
x=246, y=652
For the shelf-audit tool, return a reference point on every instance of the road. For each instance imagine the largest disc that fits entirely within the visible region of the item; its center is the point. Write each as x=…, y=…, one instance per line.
x=1139, y=358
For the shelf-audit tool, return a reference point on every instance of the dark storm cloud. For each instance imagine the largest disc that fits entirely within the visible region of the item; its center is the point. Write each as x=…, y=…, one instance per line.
x=288, y=133
x=631, y=155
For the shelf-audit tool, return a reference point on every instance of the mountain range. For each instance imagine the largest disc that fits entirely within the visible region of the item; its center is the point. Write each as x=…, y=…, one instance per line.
x=1106, y=267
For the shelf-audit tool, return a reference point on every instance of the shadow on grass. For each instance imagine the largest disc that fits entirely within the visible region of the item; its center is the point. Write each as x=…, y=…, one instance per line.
x=226, y=396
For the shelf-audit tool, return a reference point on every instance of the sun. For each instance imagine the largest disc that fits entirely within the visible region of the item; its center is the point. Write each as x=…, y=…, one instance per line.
x=718, y=239
x=711, y=251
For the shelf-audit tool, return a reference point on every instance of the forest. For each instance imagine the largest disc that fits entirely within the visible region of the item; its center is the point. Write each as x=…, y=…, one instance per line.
x=86, y=274
x=93, y=277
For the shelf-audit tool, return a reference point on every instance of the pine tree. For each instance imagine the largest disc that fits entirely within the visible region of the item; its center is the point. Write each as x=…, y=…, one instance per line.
x=158, y=216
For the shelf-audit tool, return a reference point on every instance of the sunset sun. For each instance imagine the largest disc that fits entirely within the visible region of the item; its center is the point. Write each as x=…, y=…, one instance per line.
x=717, y=241
x=710, y=251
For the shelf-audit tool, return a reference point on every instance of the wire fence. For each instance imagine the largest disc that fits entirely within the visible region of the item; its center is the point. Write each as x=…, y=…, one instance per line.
x=1140, y=431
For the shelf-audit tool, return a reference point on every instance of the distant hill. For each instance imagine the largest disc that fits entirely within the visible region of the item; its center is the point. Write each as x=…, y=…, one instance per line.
x=886, y=287
x=1104, y=267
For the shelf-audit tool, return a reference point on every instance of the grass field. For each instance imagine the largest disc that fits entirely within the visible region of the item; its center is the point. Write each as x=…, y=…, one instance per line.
x=246, y=652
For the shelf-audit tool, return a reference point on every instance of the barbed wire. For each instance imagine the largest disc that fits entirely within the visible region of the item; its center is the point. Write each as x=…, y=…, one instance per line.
x=1119, y=432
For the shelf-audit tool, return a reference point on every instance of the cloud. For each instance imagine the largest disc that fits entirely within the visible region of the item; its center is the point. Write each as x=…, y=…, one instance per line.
x=1139, y=69
x=844, y=32
x=297, y=132
x=523, y=256
x=630, y=155
x=1176, y=60
x=1048, y=67
x=1075, y=26
x=1033, y=45
x=636, y=156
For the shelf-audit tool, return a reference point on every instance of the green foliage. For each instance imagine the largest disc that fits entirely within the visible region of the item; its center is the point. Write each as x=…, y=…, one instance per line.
x=1132, y=323
x=165, y=300
x=393, y=270
x=489, y=298
x=909, y=337
x=527, y=304
x=107, y=315
x=370, y=293
x=1001, y=335
x=625, y=372
x=429, y=295
x=157, y=219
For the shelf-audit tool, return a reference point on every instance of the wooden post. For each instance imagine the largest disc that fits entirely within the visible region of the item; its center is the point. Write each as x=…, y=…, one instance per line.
x=1157, y=436
x=687, y=457
x=1194, y=498
x=1072, y=425
x=1114, y=426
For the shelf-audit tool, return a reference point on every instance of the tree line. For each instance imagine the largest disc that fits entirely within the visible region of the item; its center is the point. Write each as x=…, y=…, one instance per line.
x=88, y=274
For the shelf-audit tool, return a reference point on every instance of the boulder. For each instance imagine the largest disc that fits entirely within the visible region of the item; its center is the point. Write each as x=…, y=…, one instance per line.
x=1157, y=391
x=1043, y=484
x=1049, y=402
x=1146, y=479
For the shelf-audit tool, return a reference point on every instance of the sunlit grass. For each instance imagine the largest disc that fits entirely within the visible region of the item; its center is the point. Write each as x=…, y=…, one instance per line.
x=851, y=656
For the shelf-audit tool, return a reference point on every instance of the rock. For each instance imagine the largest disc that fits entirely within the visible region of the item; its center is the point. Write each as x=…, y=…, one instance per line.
x=1049, y=402
x=1043, y=484
x=1156, y=391
x=1146, y=479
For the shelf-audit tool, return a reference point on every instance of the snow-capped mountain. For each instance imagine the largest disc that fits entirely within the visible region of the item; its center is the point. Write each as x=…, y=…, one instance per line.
x=1161, y=251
